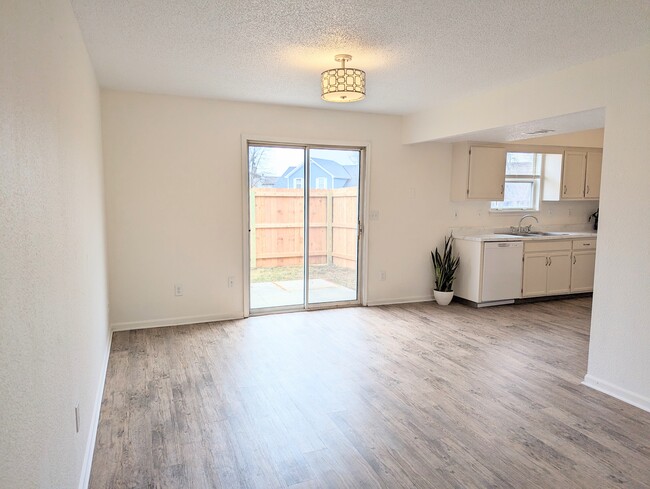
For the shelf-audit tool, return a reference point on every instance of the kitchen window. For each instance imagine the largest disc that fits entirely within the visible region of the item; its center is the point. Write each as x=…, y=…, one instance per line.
x=521, y=191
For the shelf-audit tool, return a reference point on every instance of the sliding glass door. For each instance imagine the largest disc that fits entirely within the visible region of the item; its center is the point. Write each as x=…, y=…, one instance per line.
x=304, y=226
x=333, y=225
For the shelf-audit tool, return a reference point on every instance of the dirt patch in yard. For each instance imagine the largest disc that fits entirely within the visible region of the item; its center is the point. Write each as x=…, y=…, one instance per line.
x=345, y=277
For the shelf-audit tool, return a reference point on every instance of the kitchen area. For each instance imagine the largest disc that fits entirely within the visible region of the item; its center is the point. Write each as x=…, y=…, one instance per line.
x=548, y=195
x=504, y=268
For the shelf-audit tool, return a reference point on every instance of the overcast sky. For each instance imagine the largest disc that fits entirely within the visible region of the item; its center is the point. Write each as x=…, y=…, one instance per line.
x=277, y=160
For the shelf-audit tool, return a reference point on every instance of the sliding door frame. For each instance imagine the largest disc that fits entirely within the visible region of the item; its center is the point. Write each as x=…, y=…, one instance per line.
x=362, y=243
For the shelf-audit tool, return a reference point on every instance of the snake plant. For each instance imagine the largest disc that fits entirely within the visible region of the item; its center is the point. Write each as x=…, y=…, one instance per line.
x=444, y=267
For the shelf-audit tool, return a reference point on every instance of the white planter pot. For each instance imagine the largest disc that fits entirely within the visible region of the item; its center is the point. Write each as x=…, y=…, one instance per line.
x=443, y=298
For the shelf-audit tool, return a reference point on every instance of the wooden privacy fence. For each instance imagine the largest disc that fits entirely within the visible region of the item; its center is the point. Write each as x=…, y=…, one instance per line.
x=277, y=219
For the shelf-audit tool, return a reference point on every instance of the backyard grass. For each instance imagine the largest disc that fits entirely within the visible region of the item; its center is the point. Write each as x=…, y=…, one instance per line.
x=345, y=277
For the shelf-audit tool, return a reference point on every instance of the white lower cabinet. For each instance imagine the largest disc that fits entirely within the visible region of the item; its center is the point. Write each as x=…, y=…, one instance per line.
x=558, y=280
x=550, y=267
x=535, y=272
x=583, y=263
x=547, y=268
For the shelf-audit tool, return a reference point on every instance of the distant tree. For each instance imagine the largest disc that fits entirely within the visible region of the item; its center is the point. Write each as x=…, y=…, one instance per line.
x=256, y=166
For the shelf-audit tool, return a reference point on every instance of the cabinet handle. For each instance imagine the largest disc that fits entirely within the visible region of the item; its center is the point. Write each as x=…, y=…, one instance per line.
x=550, y=261
x=574, y=260
x=565, y=190
x=587, y=189
x=546, y=262
x=501, y=189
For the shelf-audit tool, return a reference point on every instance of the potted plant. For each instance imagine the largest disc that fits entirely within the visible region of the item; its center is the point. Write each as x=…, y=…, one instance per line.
x=594, y=216
x=444, y=270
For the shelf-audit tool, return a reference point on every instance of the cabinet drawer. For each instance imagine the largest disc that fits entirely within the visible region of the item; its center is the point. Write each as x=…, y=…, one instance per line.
x=543, y=245
x=584, y=244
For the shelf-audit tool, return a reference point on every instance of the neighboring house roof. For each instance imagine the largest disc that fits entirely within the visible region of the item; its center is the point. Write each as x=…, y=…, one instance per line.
x=353, y=170
x=332, y=167
x=289, y=171
x=268, y=181
x=336, y=170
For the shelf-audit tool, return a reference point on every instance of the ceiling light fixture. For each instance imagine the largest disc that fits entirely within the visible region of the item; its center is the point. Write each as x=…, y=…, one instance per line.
x=343, y=84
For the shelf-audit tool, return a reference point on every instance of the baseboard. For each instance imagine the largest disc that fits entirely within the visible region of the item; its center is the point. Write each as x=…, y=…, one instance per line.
x=400, y=300
x=94, y=422
x=559, y=297
x=620, y=393
x=157, y=323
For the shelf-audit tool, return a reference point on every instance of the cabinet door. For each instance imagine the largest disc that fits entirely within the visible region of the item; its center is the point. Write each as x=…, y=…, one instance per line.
x=558, y=279
x=487, y=173
x=535, y=266
x=573, y=175
x=582, y=271
x=592, y=175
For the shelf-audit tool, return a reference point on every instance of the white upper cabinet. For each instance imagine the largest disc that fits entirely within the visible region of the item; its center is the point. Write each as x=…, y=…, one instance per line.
x=576, y=177
x=592, y=175
x=487, y=173
x=573, y=175
x=478, y=172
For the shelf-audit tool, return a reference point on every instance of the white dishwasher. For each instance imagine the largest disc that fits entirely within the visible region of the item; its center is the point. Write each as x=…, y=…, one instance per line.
x=502, y=271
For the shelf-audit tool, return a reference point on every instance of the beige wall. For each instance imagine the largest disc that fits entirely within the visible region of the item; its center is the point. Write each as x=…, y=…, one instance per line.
x=53, y=294
x=619, y=362
x=175, y=211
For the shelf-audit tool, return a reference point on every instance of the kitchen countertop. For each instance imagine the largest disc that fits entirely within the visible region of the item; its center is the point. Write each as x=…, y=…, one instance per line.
x=507, y=237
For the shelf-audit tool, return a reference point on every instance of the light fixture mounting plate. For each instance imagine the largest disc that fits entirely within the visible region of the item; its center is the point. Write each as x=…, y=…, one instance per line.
x=342, y=57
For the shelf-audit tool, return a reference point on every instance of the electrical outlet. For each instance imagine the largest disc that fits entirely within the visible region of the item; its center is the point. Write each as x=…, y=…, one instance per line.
x=178, y=290
x=374, y=215
x=77, y=421
x=382, y=276
x=412, y=193
x=231, y=282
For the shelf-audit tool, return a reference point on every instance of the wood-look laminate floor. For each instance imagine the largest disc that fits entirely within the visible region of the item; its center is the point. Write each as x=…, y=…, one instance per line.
x=409, y=396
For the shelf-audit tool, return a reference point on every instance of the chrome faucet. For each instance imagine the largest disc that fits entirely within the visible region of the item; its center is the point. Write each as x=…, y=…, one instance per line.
x=523, y=229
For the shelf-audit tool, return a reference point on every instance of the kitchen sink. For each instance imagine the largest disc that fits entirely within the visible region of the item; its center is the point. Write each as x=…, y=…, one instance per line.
x=534, y=233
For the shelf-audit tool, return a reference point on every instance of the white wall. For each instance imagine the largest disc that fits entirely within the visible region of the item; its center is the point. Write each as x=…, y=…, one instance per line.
x=619, y=359
x=175, y=212
x=53, y=311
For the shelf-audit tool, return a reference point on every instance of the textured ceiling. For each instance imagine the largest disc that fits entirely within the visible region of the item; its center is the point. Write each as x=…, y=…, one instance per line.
x=417, y=53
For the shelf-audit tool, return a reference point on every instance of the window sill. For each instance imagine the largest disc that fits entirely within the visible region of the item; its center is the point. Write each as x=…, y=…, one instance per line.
x=514, y=211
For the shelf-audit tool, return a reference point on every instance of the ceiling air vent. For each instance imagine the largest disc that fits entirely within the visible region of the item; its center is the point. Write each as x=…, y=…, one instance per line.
x=538, y=132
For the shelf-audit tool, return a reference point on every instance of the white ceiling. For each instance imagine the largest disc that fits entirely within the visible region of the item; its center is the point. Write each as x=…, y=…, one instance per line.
x=417, y=53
